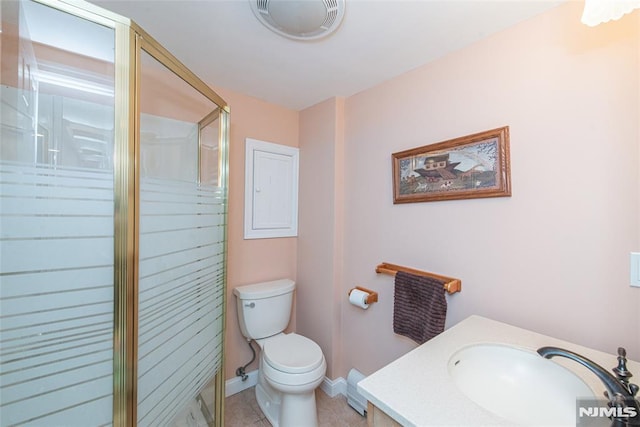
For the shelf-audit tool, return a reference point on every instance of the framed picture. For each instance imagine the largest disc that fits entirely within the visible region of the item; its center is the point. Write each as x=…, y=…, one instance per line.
x=468, y=167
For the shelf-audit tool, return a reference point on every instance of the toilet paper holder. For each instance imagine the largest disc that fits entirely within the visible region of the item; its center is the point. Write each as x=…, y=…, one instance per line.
x=371, y=298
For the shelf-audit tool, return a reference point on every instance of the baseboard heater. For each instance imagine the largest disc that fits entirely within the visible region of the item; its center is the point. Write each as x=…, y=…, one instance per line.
x=354, y=398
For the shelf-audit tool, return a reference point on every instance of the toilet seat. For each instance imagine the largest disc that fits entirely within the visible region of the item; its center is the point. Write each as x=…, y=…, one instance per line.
x=292, y=354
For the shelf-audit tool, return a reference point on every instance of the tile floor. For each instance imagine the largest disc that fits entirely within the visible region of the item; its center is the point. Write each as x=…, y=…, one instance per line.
x=241, y=410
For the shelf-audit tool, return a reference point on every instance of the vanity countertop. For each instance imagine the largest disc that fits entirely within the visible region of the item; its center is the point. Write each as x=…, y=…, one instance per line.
x=416, y=390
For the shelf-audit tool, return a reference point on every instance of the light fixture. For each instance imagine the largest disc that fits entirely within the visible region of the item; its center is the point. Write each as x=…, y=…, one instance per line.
x=599, y=11
x=299, y=19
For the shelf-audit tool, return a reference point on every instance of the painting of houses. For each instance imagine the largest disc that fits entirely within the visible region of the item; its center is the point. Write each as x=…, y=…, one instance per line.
x=454, y=169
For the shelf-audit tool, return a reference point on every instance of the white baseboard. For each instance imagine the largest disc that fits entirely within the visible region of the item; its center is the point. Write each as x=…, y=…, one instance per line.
x=334, y=387
x=331, y=387
x=236, y=385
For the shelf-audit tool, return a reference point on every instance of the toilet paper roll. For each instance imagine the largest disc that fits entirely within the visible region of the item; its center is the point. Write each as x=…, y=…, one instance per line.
x=358, y=298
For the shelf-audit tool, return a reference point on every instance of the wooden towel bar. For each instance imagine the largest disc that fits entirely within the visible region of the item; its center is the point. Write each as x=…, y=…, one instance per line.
x=451, y=285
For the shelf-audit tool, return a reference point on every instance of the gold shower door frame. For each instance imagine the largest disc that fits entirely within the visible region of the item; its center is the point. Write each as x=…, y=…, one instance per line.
x=130, y=41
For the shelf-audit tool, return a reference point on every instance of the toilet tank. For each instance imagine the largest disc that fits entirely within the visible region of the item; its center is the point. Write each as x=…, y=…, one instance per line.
x=264, y=309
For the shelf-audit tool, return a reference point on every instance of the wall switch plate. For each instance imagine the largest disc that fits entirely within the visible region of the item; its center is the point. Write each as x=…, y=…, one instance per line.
x=635, y=269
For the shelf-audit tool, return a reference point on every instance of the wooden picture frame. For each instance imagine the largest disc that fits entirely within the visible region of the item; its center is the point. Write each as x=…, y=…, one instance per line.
x=472, y=166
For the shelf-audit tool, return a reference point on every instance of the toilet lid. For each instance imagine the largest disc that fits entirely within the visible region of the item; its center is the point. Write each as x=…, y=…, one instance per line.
x=292, y=353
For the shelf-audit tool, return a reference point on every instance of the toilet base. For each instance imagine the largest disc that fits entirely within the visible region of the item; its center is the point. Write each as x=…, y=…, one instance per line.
x=286, y=410
x=269, y=404
x=299, y=410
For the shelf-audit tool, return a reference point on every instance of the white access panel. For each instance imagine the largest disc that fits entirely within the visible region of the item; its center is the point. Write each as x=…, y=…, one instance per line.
x=271, y=190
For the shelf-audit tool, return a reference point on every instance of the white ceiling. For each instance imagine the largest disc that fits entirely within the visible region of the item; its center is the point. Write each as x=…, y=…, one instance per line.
x=226, y=46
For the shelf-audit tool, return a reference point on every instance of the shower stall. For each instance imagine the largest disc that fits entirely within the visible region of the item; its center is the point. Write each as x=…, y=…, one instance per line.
x=113, y=208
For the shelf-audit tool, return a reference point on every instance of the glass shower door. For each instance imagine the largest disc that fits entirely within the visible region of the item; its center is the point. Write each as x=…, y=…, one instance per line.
x=56, y=218
x=112, y=223
x=181, y=244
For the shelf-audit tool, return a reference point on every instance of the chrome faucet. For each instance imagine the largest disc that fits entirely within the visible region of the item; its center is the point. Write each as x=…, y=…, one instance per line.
x=620, y=392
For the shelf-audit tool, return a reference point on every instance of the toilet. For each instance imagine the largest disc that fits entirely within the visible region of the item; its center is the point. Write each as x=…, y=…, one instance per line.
x=291, y=366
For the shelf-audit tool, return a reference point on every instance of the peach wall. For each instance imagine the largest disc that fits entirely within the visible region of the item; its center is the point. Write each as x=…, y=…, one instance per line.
x=554, y=256
x=10, y=44
x=320, y=223
x=255, y=260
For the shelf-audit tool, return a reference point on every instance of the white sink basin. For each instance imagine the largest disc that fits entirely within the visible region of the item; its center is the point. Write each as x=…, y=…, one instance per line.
x=518, y=385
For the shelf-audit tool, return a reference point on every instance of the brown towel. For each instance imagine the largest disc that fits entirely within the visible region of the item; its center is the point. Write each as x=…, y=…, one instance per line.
x=419, y=307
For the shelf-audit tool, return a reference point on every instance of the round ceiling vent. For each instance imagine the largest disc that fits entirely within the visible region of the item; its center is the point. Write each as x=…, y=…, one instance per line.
x=300, y=19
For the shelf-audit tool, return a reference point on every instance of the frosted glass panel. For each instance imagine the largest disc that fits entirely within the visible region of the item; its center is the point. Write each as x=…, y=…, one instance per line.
x=210, y=153
x=181, y=246
x=56, y=219
x=56, y=296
